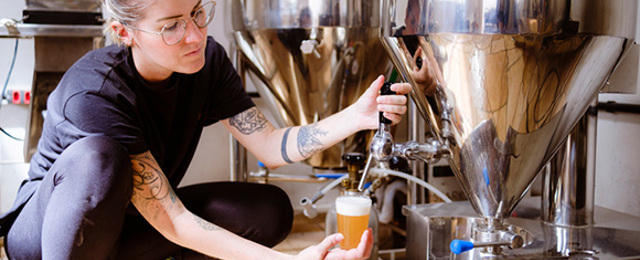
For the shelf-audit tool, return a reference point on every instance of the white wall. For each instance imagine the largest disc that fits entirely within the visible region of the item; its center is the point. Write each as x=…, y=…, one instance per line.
x=211, y=161
x=617, y=184
x=13, y=118
x=618, y=145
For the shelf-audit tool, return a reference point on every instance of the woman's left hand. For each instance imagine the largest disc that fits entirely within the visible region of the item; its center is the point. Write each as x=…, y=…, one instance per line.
x=369, y=105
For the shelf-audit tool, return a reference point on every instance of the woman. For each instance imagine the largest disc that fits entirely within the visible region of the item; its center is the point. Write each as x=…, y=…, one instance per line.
x=136, y=112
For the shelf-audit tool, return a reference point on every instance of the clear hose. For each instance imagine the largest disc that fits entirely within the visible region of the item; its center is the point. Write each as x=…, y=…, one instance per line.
x=414, y=179
x=309, y=209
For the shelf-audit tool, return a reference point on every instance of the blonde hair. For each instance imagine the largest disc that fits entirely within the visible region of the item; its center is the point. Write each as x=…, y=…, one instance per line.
x=124, y=11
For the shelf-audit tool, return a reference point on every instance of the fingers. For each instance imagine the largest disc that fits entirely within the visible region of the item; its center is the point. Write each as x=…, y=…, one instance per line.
x=363, y=251
x=394, y=106
x=366, y=243
x=395, y=118
x=329, y=242
x=401, y=88
x=392, y=103
x=375, y=86
x=392, y=109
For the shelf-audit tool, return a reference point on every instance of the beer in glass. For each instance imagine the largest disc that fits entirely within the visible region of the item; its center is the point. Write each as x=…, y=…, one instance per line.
x=353, y=219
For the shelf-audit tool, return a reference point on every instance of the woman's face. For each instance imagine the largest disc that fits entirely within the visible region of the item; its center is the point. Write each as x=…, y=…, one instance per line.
x=153, y=58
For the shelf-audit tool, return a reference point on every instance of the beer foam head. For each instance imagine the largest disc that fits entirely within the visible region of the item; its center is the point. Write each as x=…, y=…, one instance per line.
x=353, y=206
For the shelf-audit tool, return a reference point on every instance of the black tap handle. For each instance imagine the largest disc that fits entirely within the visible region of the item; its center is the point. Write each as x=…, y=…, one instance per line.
x=386, y=90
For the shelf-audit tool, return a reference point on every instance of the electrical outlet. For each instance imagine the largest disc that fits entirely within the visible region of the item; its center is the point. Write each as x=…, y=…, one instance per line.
x=18, y=96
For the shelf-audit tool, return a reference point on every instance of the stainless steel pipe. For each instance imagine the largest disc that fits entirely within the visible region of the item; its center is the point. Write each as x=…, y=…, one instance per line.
x=568, y=179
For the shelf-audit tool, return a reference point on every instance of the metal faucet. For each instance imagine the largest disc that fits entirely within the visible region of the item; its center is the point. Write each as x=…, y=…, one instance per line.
x=383, y=148
x=382, y=143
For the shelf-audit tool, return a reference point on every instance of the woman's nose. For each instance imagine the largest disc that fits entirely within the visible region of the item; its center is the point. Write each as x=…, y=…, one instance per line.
x=194, y=33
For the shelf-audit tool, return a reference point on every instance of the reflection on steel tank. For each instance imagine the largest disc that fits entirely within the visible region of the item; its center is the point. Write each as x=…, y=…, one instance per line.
x=311, y=59
x=508, y=81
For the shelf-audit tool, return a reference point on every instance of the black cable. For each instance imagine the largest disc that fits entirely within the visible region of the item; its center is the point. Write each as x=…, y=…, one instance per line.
x=10, y=136
x=613, y=107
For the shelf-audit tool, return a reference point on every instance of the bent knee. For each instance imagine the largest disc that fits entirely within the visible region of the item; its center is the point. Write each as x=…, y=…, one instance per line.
x=279, y=219
x=100, y=158
x=99, y=148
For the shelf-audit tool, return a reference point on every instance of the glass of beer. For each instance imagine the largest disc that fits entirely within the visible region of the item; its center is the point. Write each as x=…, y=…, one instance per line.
x=353, y=218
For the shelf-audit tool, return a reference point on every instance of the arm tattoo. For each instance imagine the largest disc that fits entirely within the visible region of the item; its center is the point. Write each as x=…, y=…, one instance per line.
x=152, y=193
x=249, y=121
x=308, y=141
x=147, y=180
x=205, y=225
x=283, y=147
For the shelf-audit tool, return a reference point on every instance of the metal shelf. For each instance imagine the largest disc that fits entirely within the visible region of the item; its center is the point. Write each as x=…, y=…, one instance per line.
x=23, y=30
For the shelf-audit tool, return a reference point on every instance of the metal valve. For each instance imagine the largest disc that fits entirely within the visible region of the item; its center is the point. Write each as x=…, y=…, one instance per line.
x=382, y=143
x=355, y=162
x=310, y=47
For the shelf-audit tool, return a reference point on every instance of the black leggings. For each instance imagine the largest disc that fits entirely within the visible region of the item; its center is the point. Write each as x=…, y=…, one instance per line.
x=81, y=210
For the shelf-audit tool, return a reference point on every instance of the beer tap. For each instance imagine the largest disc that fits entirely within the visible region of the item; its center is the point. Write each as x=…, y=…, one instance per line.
x=382, y=143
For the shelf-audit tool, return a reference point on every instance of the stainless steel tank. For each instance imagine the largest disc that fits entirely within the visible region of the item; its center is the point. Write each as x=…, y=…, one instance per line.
x=501, y=83
x=310, y=59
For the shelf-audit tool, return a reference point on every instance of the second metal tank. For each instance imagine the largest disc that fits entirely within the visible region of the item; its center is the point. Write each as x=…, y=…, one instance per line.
x=310, y=59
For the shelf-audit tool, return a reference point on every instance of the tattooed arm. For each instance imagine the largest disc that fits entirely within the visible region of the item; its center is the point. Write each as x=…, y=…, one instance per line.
x=277, y=147
x=157, y=202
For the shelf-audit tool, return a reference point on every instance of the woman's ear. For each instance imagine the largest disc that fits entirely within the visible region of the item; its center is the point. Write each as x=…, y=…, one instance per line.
x=121, y=32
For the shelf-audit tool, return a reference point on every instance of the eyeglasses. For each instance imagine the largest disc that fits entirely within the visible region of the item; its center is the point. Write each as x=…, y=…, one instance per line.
x=173, y=32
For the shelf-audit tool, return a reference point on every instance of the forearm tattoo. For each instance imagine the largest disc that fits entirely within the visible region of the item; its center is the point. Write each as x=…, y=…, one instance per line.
x=249, y=121
x=205, y=224
x=308, y=141
x=149, y=184
x=283, y=147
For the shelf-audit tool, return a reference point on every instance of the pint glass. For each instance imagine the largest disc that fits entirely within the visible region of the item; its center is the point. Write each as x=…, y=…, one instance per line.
x=353, y=219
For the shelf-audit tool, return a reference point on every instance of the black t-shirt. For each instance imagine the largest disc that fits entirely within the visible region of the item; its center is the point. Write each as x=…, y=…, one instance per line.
x=102, y=94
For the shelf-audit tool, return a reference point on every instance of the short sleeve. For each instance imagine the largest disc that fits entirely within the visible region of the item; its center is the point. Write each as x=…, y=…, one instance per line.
x=87, y=113
x=229, y=97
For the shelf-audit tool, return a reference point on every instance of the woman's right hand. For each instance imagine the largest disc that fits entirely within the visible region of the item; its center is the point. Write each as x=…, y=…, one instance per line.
x=323, y=250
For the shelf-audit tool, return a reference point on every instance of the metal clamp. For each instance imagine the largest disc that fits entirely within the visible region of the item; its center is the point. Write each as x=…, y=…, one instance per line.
x=10, y=24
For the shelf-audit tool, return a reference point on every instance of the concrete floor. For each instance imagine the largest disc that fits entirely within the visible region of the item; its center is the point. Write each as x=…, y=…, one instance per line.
x=304, y=233
x=3, y=256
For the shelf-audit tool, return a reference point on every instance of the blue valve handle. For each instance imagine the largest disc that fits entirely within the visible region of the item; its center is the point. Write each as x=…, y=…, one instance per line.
x=330, y=175
x=460, y=246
